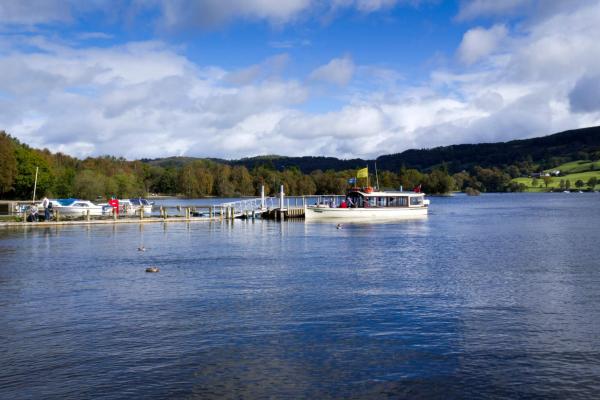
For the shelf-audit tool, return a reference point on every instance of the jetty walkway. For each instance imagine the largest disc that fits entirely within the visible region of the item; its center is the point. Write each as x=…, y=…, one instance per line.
x=276, y=208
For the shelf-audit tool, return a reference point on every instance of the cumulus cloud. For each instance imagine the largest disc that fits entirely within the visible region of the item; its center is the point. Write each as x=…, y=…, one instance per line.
x=478, y=43
x=585, y=96
x=270, y=68
x=485, y=8
x=369, y=6
x=175, y=15
x=211, y=13
x=338, y=71
x=532, y=9
x=31, y=12
x=147, y=99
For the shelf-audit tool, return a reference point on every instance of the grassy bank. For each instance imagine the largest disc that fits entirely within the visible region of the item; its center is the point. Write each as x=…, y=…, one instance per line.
x=572, y=171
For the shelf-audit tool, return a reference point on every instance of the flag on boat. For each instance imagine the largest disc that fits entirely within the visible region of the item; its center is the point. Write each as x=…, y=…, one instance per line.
x=351, y=181
x=363, y=173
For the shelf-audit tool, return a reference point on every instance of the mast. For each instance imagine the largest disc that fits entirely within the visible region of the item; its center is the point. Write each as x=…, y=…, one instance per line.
x=376, y=176
x=35, y=184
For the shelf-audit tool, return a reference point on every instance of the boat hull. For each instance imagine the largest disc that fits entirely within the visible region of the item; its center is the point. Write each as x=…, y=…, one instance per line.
x=364, y=214
x=78, y=212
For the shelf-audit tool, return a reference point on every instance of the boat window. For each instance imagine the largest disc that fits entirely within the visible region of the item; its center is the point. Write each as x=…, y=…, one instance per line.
x=401, y=201
x=355, y=200
x=381, y=202
x=416, y=201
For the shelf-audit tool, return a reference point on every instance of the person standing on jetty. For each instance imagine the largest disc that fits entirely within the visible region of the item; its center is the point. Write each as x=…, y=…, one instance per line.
x=46, y=204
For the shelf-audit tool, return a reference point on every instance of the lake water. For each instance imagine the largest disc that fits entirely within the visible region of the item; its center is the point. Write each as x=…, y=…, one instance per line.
x=496, y=296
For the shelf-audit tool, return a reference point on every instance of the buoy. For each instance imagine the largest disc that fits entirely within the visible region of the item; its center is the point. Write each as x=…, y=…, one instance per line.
x=339, y=226
x=152, y=269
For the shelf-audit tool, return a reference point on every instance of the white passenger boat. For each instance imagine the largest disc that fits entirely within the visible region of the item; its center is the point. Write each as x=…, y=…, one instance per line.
x=366, y=204
x=76, y=208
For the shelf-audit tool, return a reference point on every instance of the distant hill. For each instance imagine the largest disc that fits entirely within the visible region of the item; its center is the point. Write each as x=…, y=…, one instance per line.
x=547, y=151
x=568, y=145
x=177, y=162
x=305, y=164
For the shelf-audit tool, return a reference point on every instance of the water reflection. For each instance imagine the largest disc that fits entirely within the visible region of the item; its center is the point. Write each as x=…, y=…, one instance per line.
x=487, y=297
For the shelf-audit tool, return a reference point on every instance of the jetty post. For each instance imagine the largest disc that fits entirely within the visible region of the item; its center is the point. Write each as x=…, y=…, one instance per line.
x=281, y=204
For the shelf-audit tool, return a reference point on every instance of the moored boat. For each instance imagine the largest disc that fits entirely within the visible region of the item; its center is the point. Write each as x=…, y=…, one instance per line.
x=76, y=208
x=130, y=206
x=133, y=206
x=367, y=204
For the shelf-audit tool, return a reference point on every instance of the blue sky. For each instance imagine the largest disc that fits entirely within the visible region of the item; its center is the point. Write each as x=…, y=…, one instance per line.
x=346, y=78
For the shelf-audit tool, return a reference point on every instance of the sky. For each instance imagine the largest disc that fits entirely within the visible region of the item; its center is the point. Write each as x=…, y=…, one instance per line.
x=343, y=78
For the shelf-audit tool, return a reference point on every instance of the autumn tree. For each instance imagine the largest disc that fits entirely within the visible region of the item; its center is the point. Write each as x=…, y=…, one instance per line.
x=8, y=163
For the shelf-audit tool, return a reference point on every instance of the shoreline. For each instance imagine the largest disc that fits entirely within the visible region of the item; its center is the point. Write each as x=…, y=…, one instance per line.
x=44, y=224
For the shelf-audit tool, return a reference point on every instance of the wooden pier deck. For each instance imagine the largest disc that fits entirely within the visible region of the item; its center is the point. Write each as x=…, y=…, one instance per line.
x=43, y=224
x=273, y=208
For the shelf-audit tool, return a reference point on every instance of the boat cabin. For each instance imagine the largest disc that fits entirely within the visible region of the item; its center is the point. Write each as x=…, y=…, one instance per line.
x=364, y=198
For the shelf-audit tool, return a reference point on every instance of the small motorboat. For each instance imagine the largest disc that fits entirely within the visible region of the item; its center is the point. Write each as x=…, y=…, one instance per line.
x=76, y=208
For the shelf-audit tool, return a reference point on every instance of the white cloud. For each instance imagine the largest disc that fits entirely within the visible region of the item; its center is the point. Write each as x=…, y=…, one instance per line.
x=478, y=43
x=485, y=8
x=585, y=96
x=536, y=10
x=31, y=12
x=338, y=71
x=174, y=15
x=369, y=6
x=95, y=36
x=146, y=99
x=210, y=13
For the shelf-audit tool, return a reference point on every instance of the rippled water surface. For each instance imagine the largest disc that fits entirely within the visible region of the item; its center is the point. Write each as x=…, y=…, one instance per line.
x=492, y=296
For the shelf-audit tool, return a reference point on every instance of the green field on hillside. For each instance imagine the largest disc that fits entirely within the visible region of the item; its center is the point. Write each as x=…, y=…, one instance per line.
x=576, y=166
x=573, y=171
x=572, y=177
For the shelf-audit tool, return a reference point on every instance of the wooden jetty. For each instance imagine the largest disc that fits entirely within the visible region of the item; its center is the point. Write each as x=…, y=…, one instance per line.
x=275, y=208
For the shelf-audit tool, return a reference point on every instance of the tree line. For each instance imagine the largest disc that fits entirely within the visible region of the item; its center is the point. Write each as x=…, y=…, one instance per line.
x=63, y=176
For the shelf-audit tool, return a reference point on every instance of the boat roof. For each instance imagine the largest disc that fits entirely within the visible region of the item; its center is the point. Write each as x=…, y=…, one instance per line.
x=387, y=193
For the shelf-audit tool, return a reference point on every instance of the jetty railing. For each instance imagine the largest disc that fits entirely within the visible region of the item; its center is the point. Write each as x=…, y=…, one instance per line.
x=280, y=207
